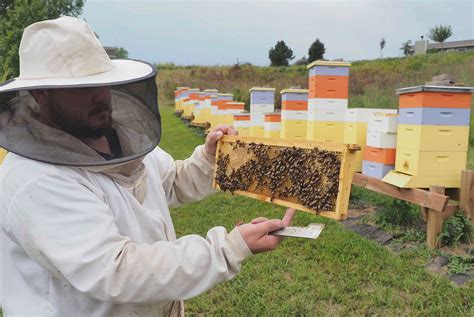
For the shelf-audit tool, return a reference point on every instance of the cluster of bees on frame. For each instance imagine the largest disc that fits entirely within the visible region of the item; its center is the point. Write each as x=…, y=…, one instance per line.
x=309, y=177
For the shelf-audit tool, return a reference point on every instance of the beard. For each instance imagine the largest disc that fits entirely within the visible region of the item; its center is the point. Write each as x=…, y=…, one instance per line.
x=79, y=128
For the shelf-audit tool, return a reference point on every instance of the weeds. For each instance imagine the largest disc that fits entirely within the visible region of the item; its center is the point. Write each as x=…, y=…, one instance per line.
x=456, y=229
x=460, y=264
x=397, y=213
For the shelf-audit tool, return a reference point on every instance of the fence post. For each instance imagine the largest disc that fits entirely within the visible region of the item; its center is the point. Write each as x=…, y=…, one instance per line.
x=434, y=223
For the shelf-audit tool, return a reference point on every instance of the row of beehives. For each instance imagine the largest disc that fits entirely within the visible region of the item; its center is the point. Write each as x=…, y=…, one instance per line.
x=433, y=130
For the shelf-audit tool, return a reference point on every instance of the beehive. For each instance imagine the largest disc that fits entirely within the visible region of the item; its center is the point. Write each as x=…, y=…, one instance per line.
x=379, y=154
x=221, y=112
x=189, y=103
x=272, y=125
x=355, y=129
x=213, y=111
x=242, y=123
x=294, y=113
x=433, y=136
x=262, y=100
x=328, y=92
x=198, y=107
x=222, y=99
x=180, y=93
x=233, y=107
x=310, y=176
x=3, y=153
x=207, y=105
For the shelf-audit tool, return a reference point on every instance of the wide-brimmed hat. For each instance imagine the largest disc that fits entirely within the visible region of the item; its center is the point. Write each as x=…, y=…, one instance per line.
x=65, y=52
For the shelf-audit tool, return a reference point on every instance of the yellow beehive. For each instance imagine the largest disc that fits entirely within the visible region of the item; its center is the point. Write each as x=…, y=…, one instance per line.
x=188, y=104
x=294, y=113
x=262, y=100
x=180, y=93
x=430, y=163
x=198, y=106
x=433, y=137
x=3, y=153
x=355, y=132
x=206, y=110
x=272, y=125
x=221, y=100
x=242, y=123
x=328, y=131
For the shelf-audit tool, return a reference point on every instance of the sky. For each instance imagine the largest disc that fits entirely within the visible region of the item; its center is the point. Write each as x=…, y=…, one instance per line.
x=228, y=31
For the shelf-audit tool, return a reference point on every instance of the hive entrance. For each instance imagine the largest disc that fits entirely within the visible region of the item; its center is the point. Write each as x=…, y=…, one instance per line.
x=305, y=175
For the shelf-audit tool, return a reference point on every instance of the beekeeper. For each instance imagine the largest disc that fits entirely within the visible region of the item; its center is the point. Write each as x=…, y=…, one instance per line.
x=84, y=190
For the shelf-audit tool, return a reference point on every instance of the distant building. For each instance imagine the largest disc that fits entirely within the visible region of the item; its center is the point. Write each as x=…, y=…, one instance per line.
x=422, y=46
x=111, y=51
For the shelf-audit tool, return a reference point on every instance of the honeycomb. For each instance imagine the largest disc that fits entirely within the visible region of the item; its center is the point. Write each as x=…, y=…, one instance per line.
x=306, y=176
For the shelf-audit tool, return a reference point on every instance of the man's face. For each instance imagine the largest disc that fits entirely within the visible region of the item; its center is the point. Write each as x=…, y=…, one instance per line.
x=81, y=112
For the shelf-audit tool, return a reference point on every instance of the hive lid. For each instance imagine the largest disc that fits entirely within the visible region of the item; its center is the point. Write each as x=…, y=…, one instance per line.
x=294, y=91
x=225, y=95
x=407, y=90
x=210, y=90
x=193, y=89
x=327, y=63
x=261, y=89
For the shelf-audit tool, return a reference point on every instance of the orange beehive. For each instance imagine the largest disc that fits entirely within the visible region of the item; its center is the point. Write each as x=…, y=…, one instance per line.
x=379, y=155
x=334, y=87
x=328, y=80
x=433, y=99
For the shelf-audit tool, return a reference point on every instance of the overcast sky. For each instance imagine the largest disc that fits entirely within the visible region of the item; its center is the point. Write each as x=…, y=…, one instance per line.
x=222, y=32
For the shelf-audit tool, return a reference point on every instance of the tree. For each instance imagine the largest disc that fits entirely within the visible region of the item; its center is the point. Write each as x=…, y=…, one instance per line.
x=316, y=51
x=122, y=53
x=382, y=45
x=280, y=55
x=406, y=48
x=440, y=33
x=15, y=15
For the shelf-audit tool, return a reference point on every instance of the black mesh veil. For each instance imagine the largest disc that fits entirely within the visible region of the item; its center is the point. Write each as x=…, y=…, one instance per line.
x=135, y=120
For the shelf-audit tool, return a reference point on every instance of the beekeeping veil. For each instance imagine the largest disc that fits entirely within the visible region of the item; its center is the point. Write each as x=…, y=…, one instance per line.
x=65, y=53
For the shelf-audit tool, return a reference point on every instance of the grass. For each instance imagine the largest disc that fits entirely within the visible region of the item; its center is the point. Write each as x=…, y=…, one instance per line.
x=341, y=273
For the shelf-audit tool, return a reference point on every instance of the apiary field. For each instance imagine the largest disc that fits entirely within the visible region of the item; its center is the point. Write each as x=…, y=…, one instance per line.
x=340, y=273
x=372, y=84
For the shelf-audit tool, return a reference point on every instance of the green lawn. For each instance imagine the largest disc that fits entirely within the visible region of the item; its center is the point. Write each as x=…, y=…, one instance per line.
x=339, y=274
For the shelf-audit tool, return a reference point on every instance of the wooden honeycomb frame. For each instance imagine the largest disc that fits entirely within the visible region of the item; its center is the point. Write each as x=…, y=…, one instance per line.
x=229, y=145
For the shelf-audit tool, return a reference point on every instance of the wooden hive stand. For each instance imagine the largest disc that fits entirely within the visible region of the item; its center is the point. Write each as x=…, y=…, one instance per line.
x=437, y=203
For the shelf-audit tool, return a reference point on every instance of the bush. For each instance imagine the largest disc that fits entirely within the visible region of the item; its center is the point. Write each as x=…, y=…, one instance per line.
x=397, y=213
x=457, y=229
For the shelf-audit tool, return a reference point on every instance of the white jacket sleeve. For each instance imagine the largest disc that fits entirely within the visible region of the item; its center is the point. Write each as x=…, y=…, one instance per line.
x=189, y=180
x=70, y=231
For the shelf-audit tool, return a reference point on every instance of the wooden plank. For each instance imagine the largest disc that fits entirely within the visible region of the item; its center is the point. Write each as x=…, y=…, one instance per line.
x=466, y=197
x=345, y=172
x=431, y=200
x=345, y=182
x=434, y=222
